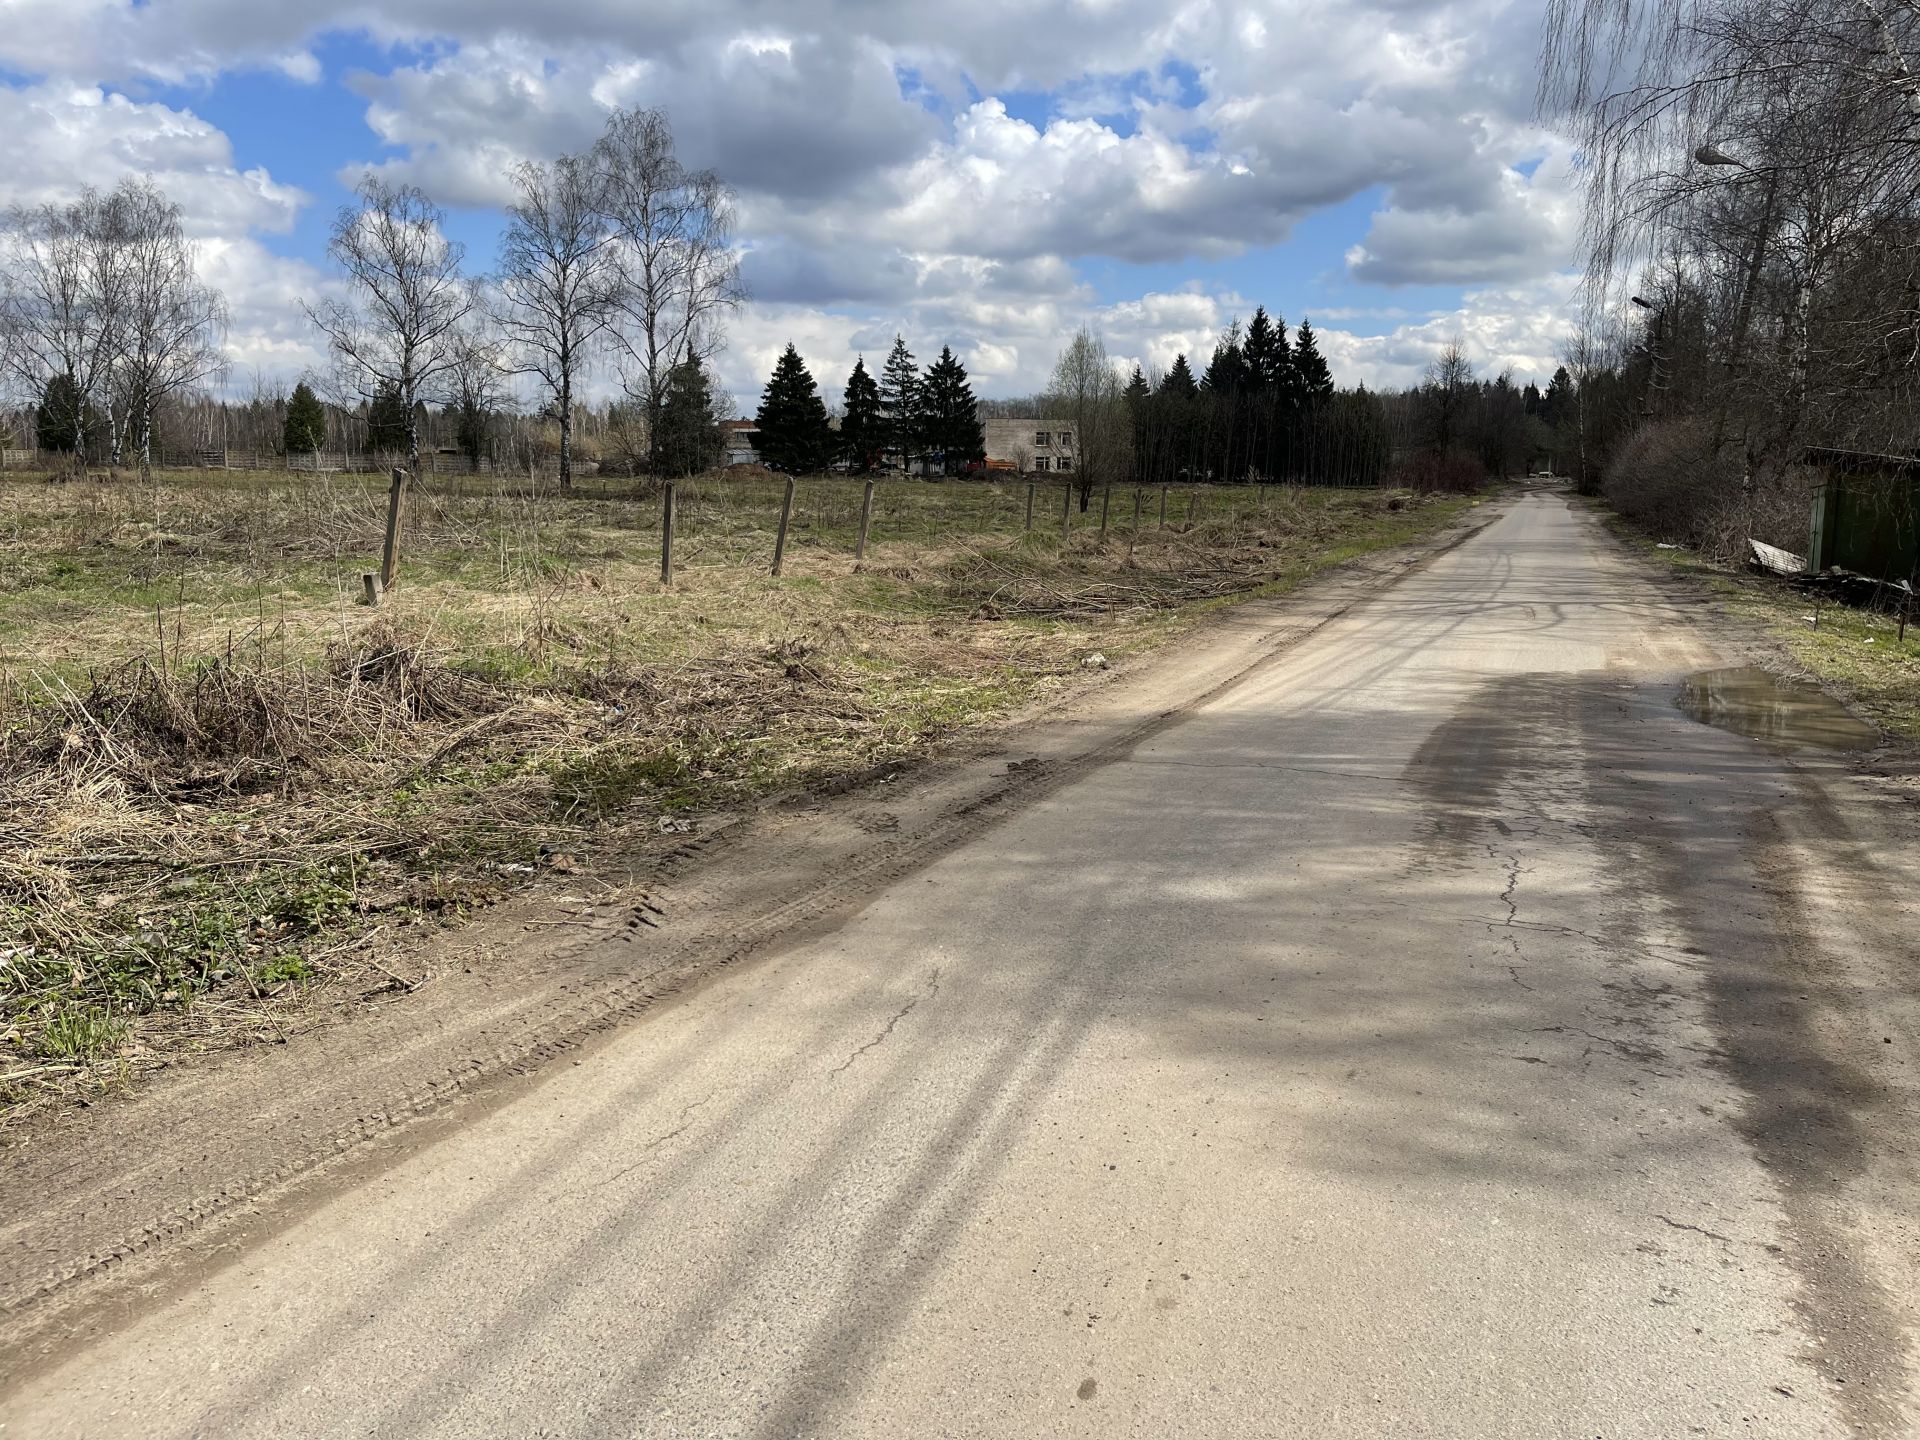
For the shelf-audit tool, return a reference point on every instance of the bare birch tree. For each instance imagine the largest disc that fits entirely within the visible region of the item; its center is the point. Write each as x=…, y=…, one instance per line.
x=398, y=329
x=1085, y=394
x=170, y=333
x=472, y=387
x=64, y=305
x=679, y=277
x=559, y=283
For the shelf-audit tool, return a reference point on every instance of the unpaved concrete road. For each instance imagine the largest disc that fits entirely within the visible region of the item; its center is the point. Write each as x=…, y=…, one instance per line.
x=1437, y=1034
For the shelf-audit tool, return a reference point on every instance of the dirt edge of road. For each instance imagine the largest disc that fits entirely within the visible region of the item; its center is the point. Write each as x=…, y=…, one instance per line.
x=110, y=1207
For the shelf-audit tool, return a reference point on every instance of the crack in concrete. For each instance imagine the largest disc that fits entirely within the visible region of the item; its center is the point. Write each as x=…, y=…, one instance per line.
x=646, y=1150
x=933, y=984
x=1696, y=1229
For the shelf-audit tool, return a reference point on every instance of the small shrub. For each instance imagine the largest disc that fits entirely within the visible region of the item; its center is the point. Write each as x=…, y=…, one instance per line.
x=1669, y=479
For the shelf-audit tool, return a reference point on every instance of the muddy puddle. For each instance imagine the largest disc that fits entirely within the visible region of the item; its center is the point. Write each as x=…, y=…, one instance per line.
x=1770, y=708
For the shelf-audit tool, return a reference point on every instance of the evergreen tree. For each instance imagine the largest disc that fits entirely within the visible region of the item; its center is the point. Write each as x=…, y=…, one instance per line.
x=306, y=427
x=1316, y=380
x=1266, y=351
x=389, y=423
x=1140, y=416
x=1178, y=403
x=1557, y=403
x=1270, y=387
x=63, y=416
x=1225, y=389
x=950, y=420
x=794, y=434
x=862, y=426
x=900, y=401
x=690, y=439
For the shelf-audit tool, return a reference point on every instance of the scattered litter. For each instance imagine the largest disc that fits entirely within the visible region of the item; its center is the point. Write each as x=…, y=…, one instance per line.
x=670, y=825
x=1663, y=545
x=514, y=867
x=1095, y=661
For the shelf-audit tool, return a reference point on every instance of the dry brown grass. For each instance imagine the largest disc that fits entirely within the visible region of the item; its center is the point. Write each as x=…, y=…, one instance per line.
x=219, y=775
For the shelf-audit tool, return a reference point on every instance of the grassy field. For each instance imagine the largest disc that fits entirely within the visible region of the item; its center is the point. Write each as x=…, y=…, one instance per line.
x=219, y=772
x=1857, y=653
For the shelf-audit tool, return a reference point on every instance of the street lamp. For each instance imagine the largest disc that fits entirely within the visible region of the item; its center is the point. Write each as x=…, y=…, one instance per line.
x=1711, y=154
x=1659, y=313
x=1707, y=153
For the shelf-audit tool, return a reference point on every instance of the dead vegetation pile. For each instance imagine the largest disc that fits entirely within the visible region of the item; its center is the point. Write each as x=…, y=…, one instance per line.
x=190, y=840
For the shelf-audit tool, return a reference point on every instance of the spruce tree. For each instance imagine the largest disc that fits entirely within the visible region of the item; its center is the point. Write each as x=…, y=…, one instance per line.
x=690, y=440
x=1139, y=402
x=63, y=416
x=306, y=427
x=1316, y=380
x=900, y=401
x=862, y=425
x=1178, y=400
x=1269, y=376
x=1265, y=351
x=1557, y=403
x=949, y=418
x=389, y=423
x=794, y=434
x=1224, y=387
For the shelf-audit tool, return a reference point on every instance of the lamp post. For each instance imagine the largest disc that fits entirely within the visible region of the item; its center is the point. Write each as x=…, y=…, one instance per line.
x=1659, y=313
x=1711, y=155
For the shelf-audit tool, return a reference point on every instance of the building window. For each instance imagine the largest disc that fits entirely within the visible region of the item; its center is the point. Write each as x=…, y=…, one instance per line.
x=1066, y=439
x=1039, y=462
x=1063, y=462
x=1042, y=439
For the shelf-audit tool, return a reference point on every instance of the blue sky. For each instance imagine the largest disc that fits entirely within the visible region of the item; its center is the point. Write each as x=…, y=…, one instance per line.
x=1152, y=170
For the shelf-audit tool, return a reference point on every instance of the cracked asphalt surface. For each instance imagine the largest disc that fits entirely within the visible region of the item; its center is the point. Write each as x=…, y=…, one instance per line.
x=1399, y=1045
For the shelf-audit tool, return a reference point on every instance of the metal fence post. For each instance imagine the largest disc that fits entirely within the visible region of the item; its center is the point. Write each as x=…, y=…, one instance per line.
x=1106, y=499
x=1163, y=507
x=1066, y=510
x=1030, y=488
